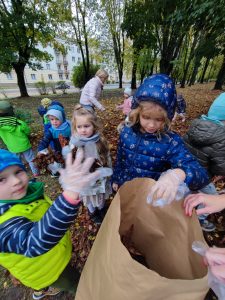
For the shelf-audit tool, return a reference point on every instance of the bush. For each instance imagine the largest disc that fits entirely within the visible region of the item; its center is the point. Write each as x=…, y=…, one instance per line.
x=42, y=87
x=51, y=86
x=78, y=76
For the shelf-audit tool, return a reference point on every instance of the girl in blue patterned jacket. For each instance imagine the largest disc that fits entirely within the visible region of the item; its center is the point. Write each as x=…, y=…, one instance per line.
x=147, y=148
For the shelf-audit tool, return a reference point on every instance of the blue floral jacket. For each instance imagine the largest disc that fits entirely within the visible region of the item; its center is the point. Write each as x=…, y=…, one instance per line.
x=148, y=155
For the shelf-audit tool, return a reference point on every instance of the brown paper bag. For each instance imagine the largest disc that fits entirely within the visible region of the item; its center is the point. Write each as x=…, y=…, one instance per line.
x=164, y=236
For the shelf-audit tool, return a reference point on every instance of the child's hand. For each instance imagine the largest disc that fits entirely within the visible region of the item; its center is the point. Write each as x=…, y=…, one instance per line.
x=115, y=187
x=212, y=203
x=215, y=258
x=76, y=176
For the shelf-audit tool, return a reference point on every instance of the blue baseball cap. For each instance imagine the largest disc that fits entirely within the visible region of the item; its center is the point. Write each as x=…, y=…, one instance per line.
x=8, y=159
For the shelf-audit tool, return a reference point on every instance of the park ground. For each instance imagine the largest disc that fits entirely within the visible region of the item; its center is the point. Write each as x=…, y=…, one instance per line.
x=198, y=97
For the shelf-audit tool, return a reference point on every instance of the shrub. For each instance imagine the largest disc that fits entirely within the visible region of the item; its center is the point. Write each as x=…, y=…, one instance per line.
x=42, y=87
x=51, y=86
x=78, y=75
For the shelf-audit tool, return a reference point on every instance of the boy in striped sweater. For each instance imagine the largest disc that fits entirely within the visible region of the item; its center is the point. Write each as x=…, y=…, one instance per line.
x=35, y=244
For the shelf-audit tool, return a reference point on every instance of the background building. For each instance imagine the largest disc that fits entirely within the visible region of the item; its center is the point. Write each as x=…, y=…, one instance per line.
x=59, y=68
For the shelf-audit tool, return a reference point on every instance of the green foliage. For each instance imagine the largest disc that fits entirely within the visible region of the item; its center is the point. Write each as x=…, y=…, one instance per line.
x=24, y=115
x=42, y=87
x=78, y=76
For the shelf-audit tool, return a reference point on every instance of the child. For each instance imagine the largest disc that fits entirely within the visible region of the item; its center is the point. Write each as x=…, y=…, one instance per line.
x=180, y=109
x=126, y=106
x=206, y=140
x=86, y=133
x=42, y=110
x=15, y=134
x=35, y=243
x=92, y=91
x=60, y=127
x=147, y=147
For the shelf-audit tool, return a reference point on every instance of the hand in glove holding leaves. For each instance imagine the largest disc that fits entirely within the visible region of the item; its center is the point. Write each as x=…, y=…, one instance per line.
x=76, y=176
x=167, y=185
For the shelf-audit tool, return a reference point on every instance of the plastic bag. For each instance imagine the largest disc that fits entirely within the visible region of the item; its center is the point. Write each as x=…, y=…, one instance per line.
x=215, y=284
x=182, y=192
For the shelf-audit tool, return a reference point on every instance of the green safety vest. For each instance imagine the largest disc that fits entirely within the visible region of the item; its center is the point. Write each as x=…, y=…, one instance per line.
x=41, y=271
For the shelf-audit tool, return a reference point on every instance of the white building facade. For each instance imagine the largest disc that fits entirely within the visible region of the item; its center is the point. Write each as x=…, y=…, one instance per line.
x=59, y=68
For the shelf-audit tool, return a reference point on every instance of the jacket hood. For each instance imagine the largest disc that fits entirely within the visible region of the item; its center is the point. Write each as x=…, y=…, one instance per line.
x=159, y=88
x=203, y=132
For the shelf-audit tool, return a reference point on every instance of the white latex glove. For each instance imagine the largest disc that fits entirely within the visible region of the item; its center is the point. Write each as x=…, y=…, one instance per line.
x=76, y=176
x=165, y=188
x=44, y=151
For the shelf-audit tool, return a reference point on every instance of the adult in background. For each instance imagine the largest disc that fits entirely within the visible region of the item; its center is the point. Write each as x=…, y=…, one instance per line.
x=92, y=91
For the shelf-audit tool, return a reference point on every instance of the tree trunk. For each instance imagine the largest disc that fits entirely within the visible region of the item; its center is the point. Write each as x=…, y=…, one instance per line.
x=220, y=77
x=133, y=80
x=19, y=69
x=204, y=70
x=195, y=71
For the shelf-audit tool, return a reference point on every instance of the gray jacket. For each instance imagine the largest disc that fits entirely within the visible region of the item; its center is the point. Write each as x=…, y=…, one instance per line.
x=206, y=140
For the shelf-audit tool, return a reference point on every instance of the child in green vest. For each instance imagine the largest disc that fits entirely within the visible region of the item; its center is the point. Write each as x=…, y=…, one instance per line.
x=35, y=244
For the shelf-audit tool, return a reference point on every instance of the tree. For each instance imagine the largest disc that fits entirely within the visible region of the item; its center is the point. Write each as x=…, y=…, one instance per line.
x=23, y=24
x=115, y=13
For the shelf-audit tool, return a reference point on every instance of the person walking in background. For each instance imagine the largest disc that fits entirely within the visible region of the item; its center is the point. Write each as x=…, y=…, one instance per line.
x=15, y=135
x=180, y=108
x=147, y=148
x=126, y=105
x=91, y=92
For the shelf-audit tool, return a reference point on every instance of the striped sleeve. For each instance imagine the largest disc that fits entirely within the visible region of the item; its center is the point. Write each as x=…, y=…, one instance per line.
x=20, y=235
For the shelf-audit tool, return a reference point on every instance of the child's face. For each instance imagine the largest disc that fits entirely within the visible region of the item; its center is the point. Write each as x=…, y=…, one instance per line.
x=13, y=183
x=84, y=127
x=54, y=121
x=150, y=124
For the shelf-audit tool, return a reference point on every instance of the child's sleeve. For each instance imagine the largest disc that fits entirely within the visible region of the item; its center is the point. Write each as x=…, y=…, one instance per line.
x=117, y=169
x=20, y=235
x=44, y=143
x=180, y=157
x=181, y=105
x=24, y=127
x=41, y=110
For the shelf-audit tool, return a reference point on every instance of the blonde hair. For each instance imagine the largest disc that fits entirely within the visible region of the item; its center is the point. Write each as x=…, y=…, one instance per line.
x=46, y=102
x=149, y=109
x=102, y=74
x=102, y=145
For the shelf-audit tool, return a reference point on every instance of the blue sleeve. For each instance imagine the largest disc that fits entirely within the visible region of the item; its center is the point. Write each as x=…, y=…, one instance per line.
x=181, y=106
x=41, y=110
x=180, y=157
x=117, y=169
x=44, y=143
x=20, y=235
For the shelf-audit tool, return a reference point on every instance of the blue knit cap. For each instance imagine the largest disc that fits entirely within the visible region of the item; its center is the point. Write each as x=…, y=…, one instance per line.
x=56, y=111
x=217, y=109
x=8, y=159
x=159, y=88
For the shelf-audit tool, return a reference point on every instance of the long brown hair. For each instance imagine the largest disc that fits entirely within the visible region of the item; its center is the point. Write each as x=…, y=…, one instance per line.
x=102, y=145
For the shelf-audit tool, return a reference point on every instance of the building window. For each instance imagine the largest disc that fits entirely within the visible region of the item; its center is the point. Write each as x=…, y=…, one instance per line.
x=72, y=49
x=73, y=59
x=60, y=76
x=79, y=60
x=48, y=66
x=67, y=76
x=33, y=76
x=78, y=50
x=50, y=76
x=9, y=76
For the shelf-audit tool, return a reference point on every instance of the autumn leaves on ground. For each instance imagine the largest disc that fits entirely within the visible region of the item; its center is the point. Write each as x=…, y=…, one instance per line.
x=198, y=98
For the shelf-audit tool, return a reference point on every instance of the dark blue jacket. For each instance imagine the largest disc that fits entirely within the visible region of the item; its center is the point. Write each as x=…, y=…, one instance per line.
x=148, y=155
